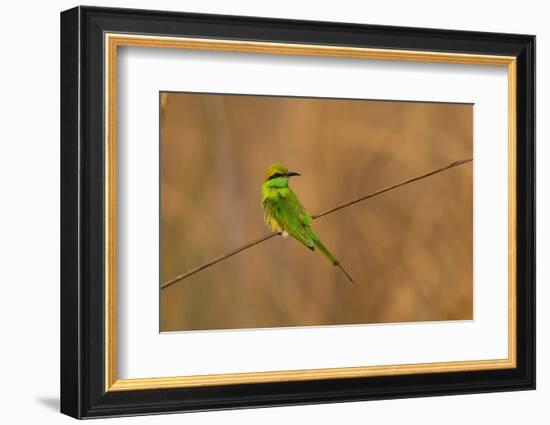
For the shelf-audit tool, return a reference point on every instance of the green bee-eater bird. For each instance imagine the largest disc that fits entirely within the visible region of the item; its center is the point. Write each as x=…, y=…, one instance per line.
x=284, y=213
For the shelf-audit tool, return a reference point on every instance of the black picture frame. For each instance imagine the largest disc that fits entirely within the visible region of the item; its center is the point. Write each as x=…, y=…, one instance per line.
x=83, y=392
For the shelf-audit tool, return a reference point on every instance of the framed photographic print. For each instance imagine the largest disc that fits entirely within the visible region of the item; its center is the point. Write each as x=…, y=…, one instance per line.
x=261, y=212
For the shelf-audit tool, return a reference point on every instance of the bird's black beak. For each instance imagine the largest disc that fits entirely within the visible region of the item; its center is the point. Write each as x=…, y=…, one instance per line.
x=292, y=173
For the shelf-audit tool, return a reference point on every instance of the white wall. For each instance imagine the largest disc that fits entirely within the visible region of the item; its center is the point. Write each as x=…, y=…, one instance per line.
x=29, y=228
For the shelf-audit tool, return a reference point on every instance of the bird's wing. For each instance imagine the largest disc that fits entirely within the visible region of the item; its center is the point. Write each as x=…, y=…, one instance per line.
x=297, y=206
x=306, y=229
x=290, y=216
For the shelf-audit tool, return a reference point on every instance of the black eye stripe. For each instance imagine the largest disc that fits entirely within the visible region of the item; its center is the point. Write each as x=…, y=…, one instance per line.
x=274, y=176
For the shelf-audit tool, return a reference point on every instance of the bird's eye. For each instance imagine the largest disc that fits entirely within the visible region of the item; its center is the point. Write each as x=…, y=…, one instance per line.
x=274, y=176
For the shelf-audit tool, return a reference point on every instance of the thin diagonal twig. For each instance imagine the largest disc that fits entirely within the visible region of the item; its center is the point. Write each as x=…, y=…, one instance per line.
x=386, y=189
x=319, y=215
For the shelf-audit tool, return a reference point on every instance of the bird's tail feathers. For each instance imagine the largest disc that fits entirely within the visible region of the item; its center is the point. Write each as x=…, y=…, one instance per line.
x=331, y=257
x=325, y=251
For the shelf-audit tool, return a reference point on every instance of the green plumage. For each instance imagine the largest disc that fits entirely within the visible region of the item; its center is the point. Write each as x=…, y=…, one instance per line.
x=284, y=213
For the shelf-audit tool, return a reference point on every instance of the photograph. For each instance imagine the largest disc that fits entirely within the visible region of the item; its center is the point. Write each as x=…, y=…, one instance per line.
x=305, y=171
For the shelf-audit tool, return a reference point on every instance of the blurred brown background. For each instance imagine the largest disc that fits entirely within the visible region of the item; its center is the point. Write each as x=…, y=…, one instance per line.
x=409, y=250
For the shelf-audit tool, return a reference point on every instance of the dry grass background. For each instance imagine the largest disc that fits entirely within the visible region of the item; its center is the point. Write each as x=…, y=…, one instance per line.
x=409, y=250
